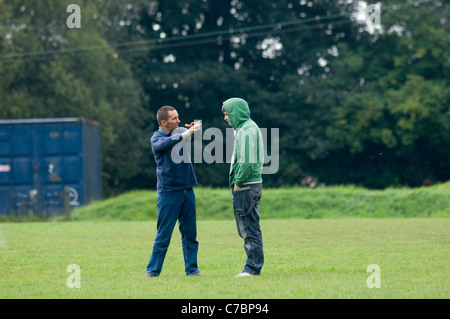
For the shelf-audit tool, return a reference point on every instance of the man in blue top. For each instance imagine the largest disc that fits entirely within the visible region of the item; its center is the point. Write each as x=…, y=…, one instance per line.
x=176, y=198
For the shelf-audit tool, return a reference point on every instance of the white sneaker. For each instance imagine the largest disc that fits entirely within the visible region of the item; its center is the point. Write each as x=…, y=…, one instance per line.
x=243, y=274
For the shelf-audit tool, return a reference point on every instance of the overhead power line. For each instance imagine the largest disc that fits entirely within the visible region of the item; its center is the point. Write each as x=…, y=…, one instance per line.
x=178, y=41
x=193, y=39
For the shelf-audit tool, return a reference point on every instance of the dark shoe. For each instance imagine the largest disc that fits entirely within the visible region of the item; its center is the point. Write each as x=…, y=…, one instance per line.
x=149, y=275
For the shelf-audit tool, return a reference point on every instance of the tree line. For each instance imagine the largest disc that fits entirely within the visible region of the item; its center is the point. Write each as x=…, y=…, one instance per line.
x=353, y=103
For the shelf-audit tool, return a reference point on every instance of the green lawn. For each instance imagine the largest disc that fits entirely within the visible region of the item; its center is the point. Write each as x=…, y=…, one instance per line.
x=304, y=258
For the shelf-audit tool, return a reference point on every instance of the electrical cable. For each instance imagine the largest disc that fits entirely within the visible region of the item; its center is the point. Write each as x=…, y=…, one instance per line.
x=171, y=42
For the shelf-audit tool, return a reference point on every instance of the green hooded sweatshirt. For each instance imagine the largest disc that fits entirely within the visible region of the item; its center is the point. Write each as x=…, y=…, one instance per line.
x=248, y=155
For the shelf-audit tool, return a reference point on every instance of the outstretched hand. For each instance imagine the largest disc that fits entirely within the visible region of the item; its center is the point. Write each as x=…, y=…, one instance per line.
x=192, y=124
x=192, y=128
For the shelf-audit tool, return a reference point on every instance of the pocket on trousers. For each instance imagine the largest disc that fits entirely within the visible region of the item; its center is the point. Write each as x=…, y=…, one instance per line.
x=239, y=202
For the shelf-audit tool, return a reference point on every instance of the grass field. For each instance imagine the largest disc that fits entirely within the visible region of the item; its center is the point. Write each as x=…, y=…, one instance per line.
x=304, y=258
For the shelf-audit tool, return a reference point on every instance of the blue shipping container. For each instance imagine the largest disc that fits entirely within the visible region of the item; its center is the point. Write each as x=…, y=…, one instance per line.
x=41, y=160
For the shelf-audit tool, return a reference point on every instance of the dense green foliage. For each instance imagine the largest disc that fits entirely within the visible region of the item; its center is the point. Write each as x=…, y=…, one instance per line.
x=295, y=202
x=354, y=104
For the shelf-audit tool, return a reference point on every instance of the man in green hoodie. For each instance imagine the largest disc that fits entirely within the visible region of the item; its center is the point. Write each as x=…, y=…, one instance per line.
x=245, y=181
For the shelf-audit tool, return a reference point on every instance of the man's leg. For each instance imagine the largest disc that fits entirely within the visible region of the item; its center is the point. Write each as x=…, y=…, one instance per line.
x=169, y=204
x=188, y=229
x=246, y=211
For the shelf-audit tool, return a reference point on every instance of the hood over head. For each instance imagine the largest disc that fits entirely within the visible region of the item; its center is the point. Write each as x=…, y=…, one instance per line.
x=237, y=110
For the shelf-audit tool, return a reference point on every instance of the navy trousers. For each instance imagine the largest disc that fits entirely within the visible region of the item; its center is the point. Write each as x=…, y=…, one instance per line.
x=173, y=206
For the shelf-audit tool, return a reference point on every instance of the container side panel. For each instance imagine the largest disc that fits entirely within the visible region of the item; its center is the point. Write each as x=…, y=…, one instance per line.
x=22, y=141
x=53, y=139
x=5, y=199
x=72, y=139
x=5, y=171
x=5, y=144
x=22, y=171
x=52, y=170
x=41, y=158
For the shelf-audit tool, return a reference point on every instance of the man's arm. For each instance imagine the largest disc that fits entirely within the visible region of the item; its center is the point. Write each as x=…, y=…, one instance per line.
x=162, y=143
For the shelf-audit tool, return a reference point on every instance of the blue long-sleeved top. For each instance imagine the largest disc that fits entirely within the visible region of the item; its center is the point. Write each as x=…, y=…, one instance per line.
x=172, y=172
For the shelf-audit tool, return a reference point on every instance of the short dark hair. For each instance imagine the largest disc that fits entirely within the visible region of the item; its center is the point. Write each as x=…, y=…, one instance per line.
x=163, y=113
